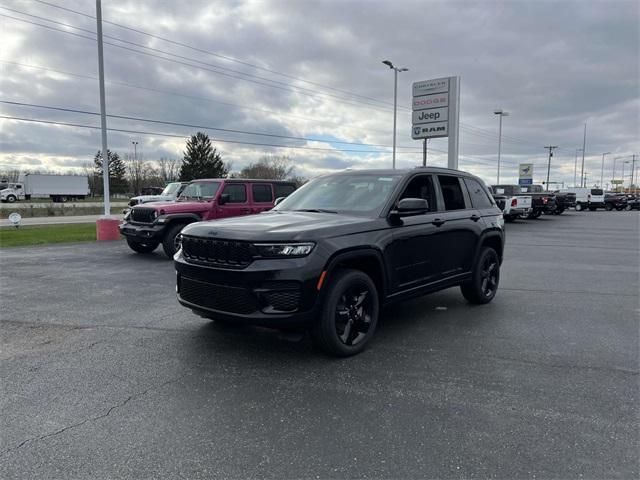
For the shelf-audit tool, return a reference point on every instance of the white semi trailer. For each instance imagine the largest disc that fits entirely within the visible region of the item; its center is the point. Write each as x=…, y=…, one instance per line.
x=59, y=188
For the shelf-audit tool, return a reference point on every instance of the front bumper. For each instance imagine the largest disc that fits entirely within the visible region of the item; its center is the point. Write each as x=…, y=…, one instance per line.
x=269, y=292
x=140, y=232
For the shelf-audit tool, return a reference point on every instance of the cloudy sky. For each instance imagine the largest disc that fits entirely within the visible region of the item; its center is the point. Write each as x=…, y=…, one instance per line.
x=312, y=70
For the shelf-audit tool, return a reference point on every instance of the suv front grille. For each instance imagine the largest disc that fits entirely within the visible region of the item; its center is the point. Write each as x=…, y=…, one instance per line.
x=227, y=253
x=143, y=215
x=217, y=297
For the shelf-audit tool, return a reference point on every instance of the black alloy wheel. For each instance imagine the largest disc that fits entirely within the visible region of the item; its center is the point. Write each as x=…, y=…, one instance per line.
x=353, y=315
x=350, y=313
x=483, y=285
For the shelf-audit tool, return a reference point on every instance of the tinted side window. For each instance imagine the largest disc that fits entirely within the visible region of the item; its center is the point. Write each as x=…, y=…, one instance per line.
x=237, y=192
x=283, y=190
x=451, y=192
x=421, y=187
x=261, y=193
x=478, y=195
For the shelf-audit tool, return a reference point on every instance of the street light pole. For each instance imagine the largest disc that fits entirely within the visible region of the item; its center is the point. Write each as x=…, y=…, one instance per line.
x=584, y=145
x=395, y=102
x=602, y=171
x=103, y=113
x=575, y=169
x=501, y=113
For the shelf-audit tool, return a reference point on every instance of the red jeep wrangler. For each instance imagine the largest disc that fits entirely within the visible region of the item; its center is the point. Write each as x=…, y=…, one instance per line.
x=148, y=225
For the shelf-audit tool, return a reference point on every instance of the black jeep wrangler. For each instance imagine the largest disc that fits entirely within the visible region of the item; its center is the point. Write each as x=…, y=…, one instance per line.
x=332, y=254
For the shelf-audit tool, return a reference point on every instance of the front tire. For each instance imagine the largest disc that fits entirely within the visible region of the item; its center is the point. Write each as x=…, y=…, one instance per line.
x=578, y=207
x=483, y=285
x=169, y=242
x=349, y=316
x=141, y=247
x=11, y=199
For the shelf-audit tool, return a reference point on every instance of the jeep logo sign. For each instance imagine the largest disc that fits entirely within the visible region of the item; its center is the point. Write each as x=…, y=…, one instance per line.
x=429, y=116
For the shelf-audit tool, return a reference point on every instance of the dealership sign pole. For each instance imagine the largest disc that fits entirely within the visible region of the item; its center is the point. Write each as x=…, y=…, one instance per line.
x=103, y=113
x=436, y=112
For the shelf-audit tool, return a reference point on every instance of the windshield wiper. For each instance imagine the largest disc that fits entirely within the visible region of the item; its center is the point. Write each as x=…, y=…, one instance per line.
x=317, y=210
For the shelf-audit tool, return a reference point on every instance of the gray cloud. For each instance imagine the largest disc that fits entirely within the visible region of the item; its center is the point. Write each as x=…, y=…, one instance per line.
x=553, y=65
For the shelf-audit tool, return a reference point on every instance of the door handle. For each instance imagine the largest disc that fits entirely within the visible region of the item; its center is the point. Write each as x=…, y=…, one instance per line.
x=246, y=210
x=438, y=222
x=475, y=217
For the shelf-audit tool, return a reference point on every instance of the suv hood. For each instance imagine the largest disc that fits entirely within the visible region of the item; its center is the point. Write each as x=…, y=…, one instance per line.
x=281, y=226
x=152, y=198
x=177, y=207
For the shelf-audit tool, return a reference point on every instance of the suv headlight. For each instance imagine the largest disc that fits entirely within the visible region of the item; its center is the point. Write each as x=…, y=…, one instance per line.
x=287, y=250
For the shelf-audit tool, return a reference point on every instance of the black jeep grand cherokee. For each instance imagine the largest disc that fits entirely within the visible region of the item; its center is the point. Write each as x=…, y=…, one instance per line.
x=330, y=255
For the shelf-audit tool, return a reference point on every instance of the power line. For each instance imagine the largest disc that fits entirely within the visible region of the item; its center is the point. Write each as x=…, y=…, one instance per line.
x=233, y=74
x=160, y=134
x=214, y=54
x=203, y=127
x=194, y=97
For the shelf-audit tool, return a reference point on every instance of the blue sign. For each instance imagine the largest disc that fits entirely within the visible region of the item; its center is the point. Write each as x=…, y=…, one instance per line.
x=525, y=181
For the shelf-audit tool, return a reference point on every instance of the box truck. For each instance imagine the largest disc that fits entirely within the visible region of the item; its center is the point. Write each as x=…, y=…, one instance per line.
x=59, y=188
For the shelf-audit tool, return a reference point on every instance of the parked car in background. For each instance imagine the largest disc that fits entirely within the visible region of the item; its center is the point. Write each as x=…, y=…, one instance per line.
x=330, y=256
x=540, y=202
x=617, y=201
x=148, y=225
x=633, y=202
x=512, y=203
x=171, y=192
x=587, y=198
x=57, y=188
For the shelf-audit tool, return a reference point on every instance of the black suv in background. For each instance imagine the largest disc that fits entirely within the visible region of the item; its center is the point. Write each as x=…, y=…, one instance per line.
x=330, y=255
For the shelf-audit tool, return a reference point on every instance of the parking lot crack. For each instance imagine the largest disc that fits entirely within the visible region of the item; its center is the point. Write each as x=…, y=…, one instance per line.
x=92, y=419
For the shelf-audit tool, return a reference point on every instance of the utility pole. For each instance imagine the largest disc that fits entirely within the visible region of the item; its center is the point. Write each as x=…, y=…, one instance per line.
x=135, y=151
x=633, y=168
x=551, y=149
x=602, y=171
x=584, y=145
x=103, y=113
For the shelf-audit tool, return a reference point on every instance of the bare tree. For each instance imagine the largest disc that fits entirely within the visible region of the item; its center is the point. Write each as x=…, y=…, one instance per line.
x=271, y=167
x=168, y=169
x=10, y=175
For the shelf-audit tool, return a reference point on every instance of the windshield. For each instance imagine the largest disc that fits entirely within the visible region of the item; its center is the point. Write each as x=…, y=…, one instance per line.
x=171, y=189
x=359, y=194
x=205, y=190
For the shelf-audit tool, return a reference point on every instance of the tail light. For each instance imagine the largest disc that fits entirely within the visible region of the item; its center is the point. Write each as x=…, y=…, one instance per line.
x=514, y=202
x=545, y=200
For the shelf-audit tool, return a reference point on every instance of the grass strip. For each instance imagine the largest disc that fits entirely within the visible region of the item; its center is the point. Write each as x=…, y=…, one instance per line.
x=47, y=234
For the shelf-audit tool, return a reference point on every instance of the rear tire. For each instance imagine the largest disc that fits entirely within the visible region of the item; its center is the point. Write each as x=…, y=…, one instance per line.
x=578, y=207
x=483, y=285
x=141, y=247
x=349, y=315
x=169, y=241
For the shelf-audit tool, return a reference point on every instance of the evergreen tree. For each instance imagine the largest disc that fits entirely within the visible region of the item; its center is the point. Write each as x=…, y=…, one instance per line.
x=201, y=160
x=117, y=172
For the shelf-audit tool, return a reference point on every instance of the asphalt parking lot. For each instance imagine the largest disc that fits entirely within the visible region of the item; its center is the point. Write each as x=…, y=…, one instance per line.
x=104, y=375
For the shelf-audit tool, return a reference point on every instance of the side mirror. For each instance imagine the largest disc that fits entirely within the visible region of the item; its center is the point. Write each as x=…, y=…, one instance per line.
x=224, y=198
x=411, y=206
x=278, y=200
